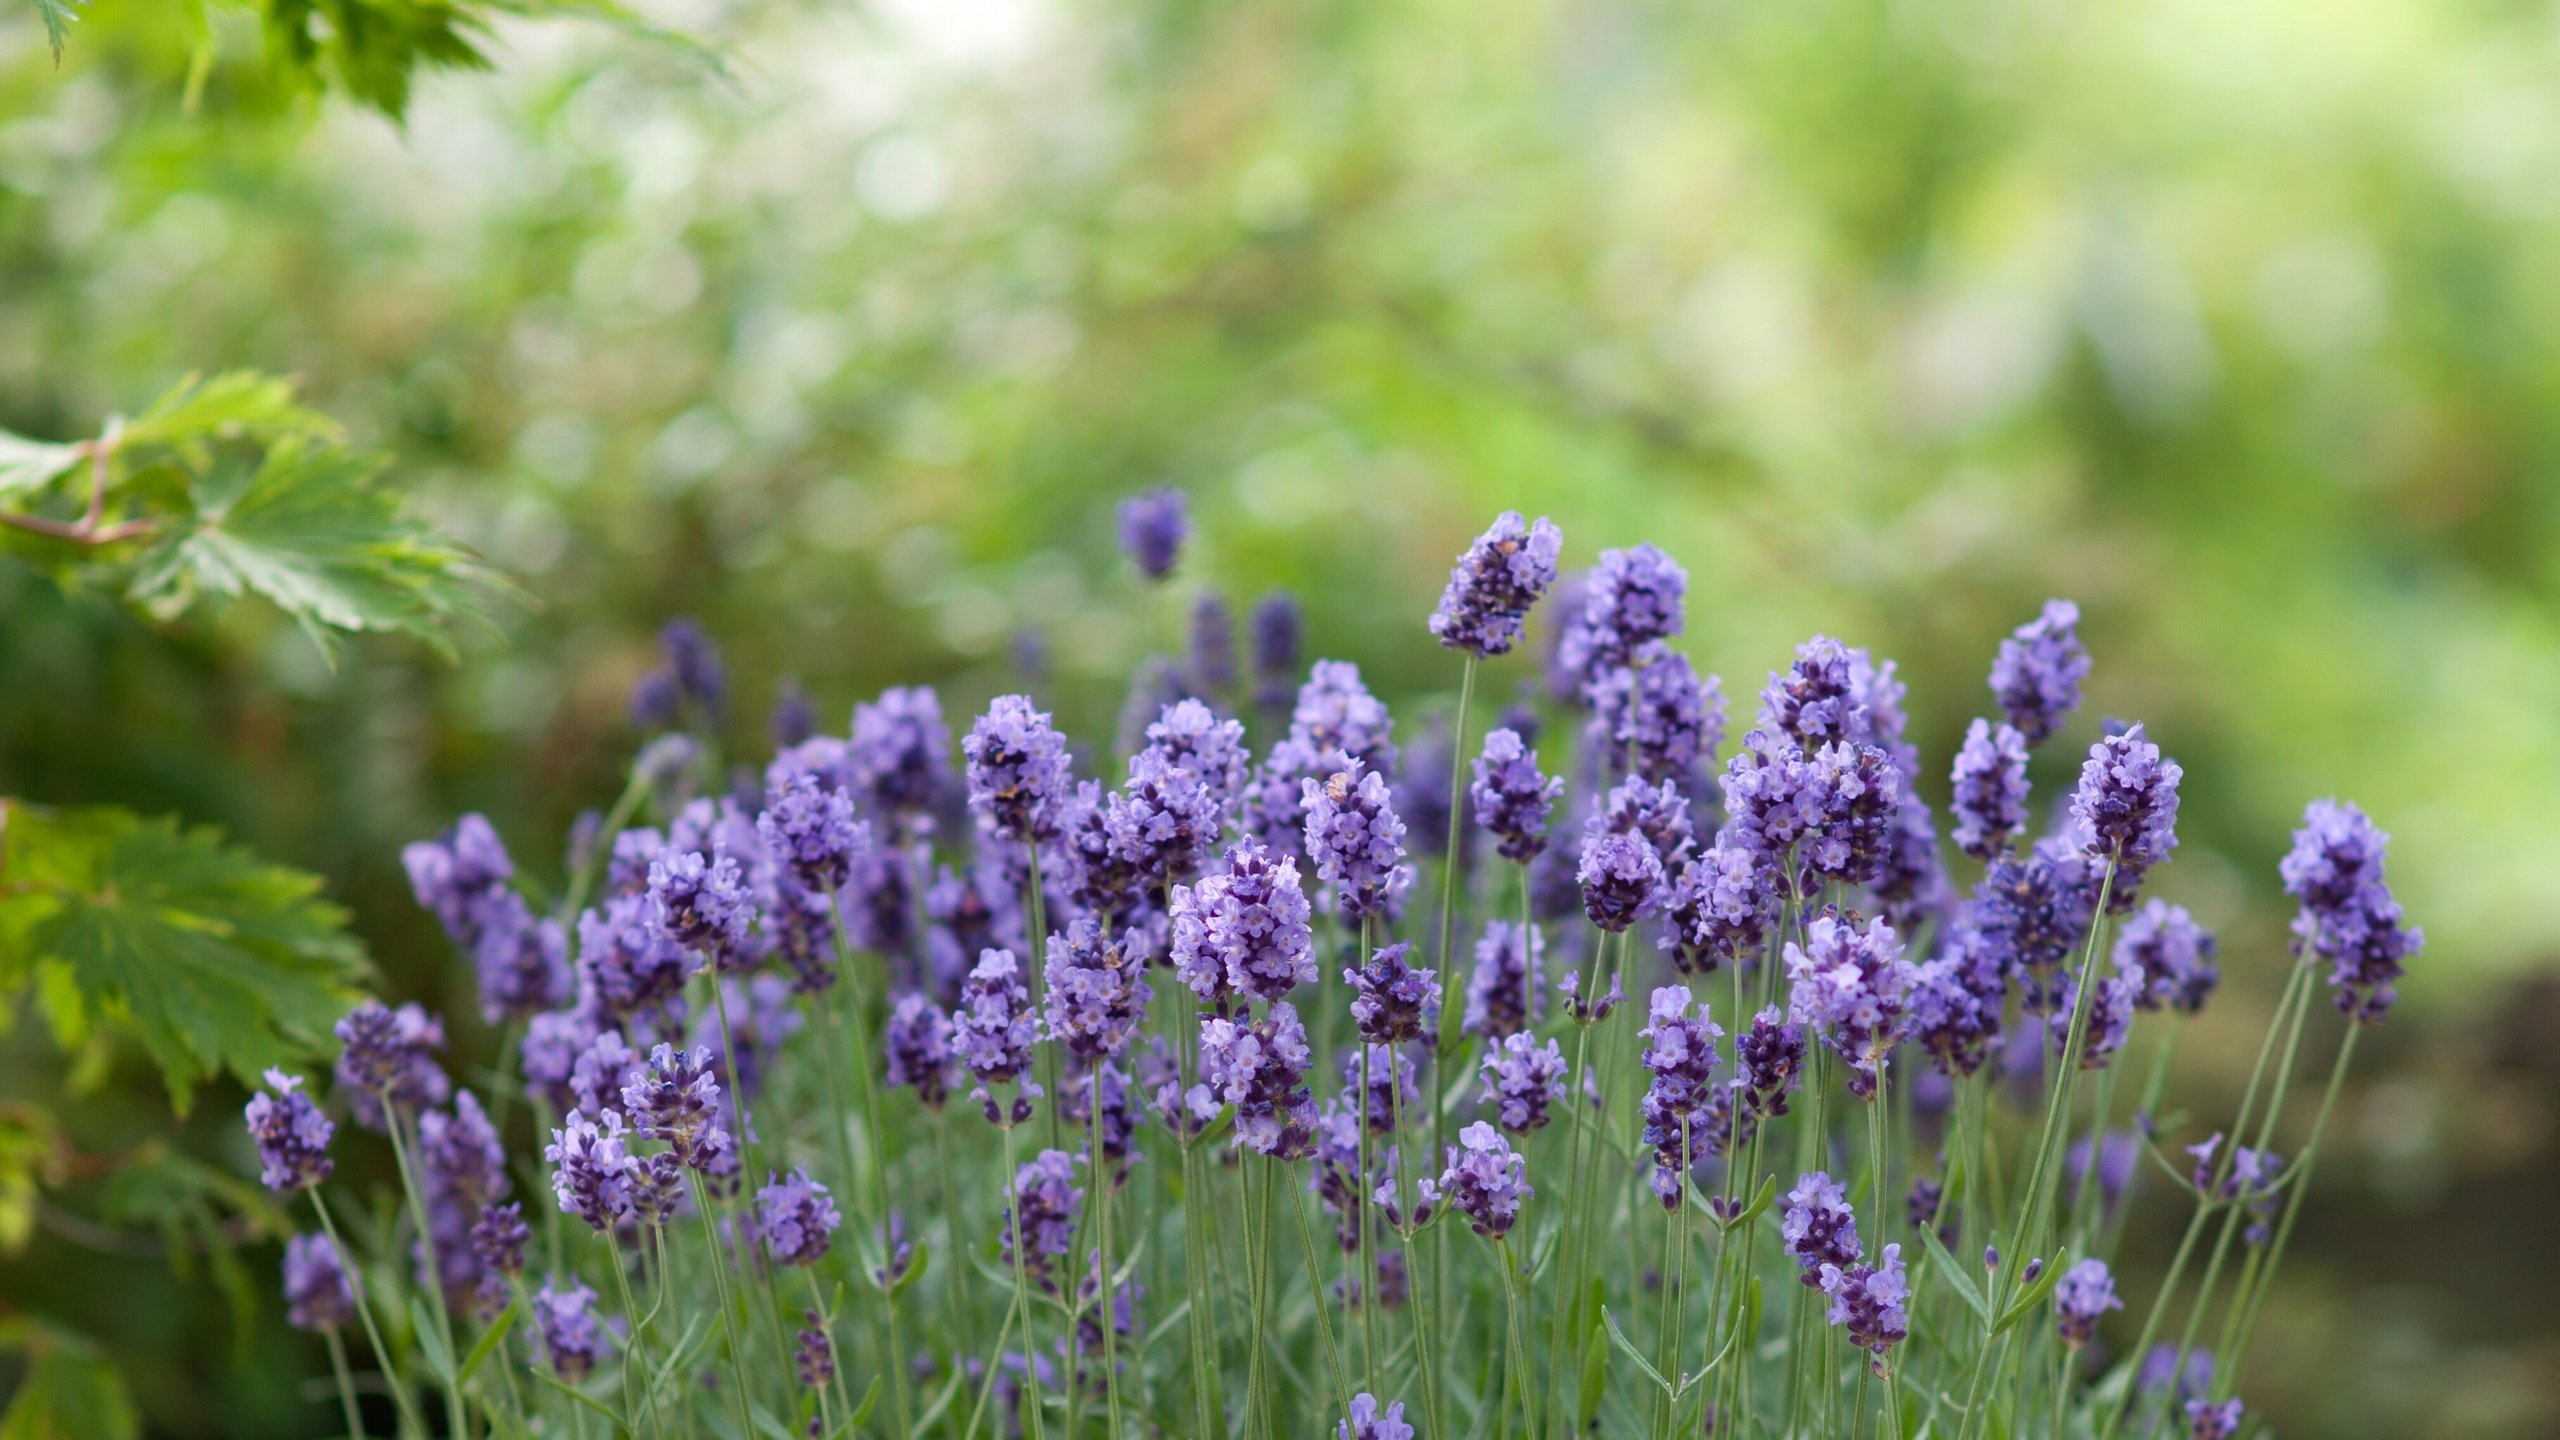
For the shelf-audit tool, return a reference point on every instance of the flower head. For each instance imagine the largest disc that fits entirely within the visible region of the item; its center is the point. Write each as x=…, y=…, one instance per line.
x=677, y=1099
x=1211, y=665
x=2348, y=915
x=568, y=1333
x=1244, y=932
x=2126, y=810
x=1337, y=716
x=796, y=1217
x=291, y=1134
x=810, y=831
x=2173, y=954
x=2085, y=1292
x=1260, y=1068
x=389, y=1053
x=1819, y=1229
x=594, y=1174
x=993, y=1031
x=813, y=1352
x=1356, y=840
x=1486, y=1180
x=1680, y=1054
x=1097, y=999
x=1277, y=632
x=1018, y=775
x=1043, y=1211
x=1621, y=878
x=1160, y=826
x=917, y=1049
x=1632, y=599
x=899, y=755
x=1392, y=1001
x=2037, y=674
x=1521, y=1079
x=317, y=1292
x=1507, y=989
x=1721, y=908
x=1990, y=780
x=1770, y=1056
x=702, y=901
x=1511, y=799
x=1367, y=1421
x=2213, y=1419
x=1657, y=715
x=1153, y=526
x=1506, y=571
x=1849, y=982
x=1867, y=1301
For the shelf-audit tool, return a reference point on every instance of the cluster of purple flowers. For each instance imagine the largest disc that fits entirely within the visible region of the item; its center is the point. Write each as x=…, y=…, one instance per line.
x=796, y=1218
x=1357, y=841
x=1260, y=1068
x=1096, y=998
x=1392, y=1001
x=291, y=1134
x=387, y=1055
x=1849, y=984
x=1045, y=1203
x=1245, y=932
x=1494, y=583
x=1506, y=990
x=1680, y=1054
x=1512, y=800
x=1521, y=1079
x=1486, y=1180
x=992, y=1034
x=2348, y=917
x=1720, y=909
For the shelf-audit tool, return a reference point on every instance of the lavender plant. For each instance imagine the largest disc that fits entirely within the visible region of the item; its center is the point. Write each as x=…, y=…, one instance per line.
x=681, y=1023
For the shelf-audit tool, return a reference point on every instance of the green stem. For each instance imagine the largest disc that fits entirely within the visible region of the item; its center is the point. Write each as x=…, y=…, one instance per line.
x=459, y=1418
x=346, y=1382
x=1102, y=1189
x=858, y=1032
x=633, y=1366
x=1315, y=1284
x=409, y=1417
x=2237, y=1351
x=728, y=1302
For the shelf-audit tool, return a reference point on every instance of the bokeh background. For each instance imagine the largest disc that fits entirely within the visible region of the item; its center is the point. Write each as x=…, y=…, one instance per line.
x=1888, y=318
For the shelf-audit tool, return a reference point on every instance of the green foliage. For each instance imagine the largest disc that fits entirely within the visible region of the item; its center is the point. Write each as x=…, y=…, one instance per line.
x=69, y=1392
x=214, y=960
x=59, y=16
x=228, y=487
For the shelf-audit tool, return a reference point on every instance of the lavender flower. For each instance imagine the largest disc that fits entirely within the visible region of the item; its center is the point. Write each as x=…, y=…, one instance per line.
x=1504, y=994
x=1389, y=1088
x=388, y=1052
x=2348, y=915
x=1770, y=1056
x=1511, y=799
x=796, y=1217
x=1119, y=1111
x=1367, y=1421
x=1356, y=840
x=1246, y=931
x=2126, y=810
x=810, y=831
x=291, y=1134
x=1213, y=644
x=1817, y=700
x=1868, y=1301
x=626, y=962
x=498, y=1239
x=1486, y=1180
x=1018, y=777
x=1632, y=599
x=1857, y=793
x=1261, y=1070
x=2213, y=1419
x=899, y=755
x=1720, y=909
x=1956, y=1000
x=702, y=901
x=813, y=1352
x=2114, y=1163
x=2173, y=954
x=1191, y=737
x=1336, y=713
x=1621, y=878
x=1043, y=1211
x=570, y=1337
x=1659, y=716
x=677, y=1099
x=2037, y=674
x=1656, y=810
x=917, y=1049
x=1819, y=1228
x=1277, y=631
x=1273, y=809
x=594, y=1174
x=1161, y=825
x=522, y=965
x=1152, y=528
x=1490, y=590
x=2028, y=914
x=461, y=876
x=317, y=1292
x=1990, y=780
x=2085, y=1292
x=695, y=662
x=1681, y=1056
x=1850, y=983
x=1096, y=999
x=1920, y=1207
x=1521, y=1079
x=993, y=1033
x=1393, y=1002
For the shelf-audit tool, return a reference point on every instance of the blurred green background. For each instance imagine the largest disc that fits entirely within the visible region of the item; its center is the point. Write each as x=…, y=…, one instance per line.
x=1888, y=318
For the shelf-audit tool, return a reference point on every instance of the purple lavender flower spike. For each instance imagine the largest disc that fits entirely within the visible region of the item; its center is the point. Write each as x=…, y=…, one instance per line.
x=2348, y=916
x=2085, y=1292
x=1278, y=635
x=1153, y=526
x=1819, y=1229
x=1721, y=908
x=387, y=1051
x=796, y=1217
x=703, y=903
x=1659, y=714
x=1191, y=737
x=898, y=757
x=1018, y=774
x=291, y=1134
x=2027, y=914
x=1391, y=1091
x=1045, y=1202
x=1336, y=715
x=1521, y=1079
x=1506, y=991
x=1486, y=1180
x=1621, y=879
x=1511, y=799
x=1392, y=1001
x=993, y=1031
x=1857, y=792
x=1816, y=702
x=1770, y=1056
x=594, y=1174
x=460, y=876
x=1356, y=840
x=1990, y=780
x=810, y=831
x=2213, y=1419
x=1656, y=810
x=498, y=1239
x=1493, y=585
x=1631, y=599
x=1273, y=808
x=1920, y=1207
x=655, y=701
x=1097, y=999
x=813, y=1352
x=522, y=965
x=1211, y=665
x=677, y=1099
x=597, y=1076
x=695, y=662
x=1910, y=885
x=1956, y=1002
x=2037, y=674
x=917, y=1048
x=626, y=962
x=1849, y=983
x=317, y=1292
x=2174, y=955
x=1261, y=1070
x=1161, y=826
x=1368, y=1422
x=1867, y=1301
x=2126, y=810
x=570, y=1337
x=1680, y=1054
x=1246, y=931
x=462, y=1169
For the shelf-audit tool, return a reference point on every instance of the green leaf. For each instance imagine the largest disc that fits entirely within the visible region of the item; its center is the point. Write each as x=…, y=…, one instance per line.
x=310, y=529
x=430, y=1339
x=488, y=1343
x=69, y=1391
x=34, y=1155
x=32, y=464
x=215, y=960
x=59, y=16
x=1623, y=1343
x=863, y=1407
x=2032, y=1297
x=234, y=405
x=915, y=1269
x=612, y=1417
x=1955, y=1274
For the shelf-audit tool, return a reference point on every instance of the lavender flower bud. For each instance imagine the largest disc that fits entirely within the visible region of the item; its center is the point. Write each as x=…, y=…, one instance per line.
x=2086, y=1291
x=522, y=964
x=812, y=834
x=1920, y=1207
x=567, y=1332
x=1511, y=799
x=1246, y=931
x=1771, y=1057
x=2126, y=810
x=594, y=1174
x=2213, y=1420
x=626, y=962
x=1486, y=1180
x=1658, y=715
x=677, y=1099
x=1621, y=878
x=1159, y=828
x=1956, y=1002
x=1212, y=662
x=2348, y=916
x=1990, y=780
x=1521, y=1079
x=1336, y=714
x=1721, y=908
x=2173, y=954
x=813, y=1352
x=1494, y=583
x=498, y=1239
x=1190, y=737
x=796, y=1217
x=1043, y=1211
x=1392, y=1002
x=387, y=1052
x=917, y=1049
x=1261, y=1070
x=702, y=901
x=2037, y=674
x=1506, y=991
x=899, y=755
x=1389, y=1088
x=1153, y=526
x=1857, y=792
x=1356, y=840
x=1096, y=999
x=1018, y=777
x=1681, y=1056
x=317, y=1292
x=291, y=1134
x=1630, y=600
x=993, y=1031
x=695, y=662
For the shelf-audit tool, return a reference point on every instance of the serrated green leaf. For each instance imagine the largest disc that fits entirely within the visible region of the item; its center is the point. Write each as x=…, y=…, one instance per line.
x=1954, y=1274
x=59, y=16
x=234, y=405
x=215, y=960
x=34, y=1155
x=32, y=464
x=311, y=530
x=68, y=1392
x=488, y=1343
